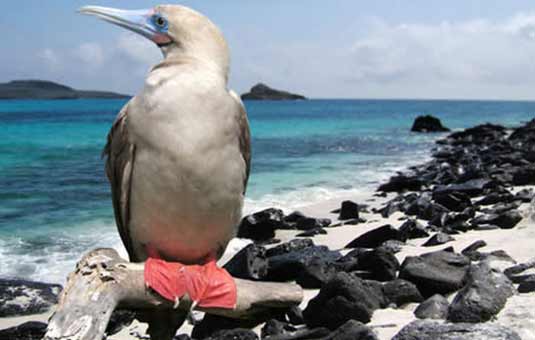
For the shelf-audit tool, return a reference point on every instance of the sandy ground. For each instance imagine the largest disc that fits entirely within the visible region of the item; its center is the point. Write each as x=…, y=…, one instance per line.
x=518, y=314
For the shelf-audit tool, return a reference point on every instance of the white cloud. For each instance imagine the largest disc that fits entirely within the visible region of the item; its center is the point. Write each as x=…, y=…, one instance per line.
x=91, y=54
x=138, y=49
x=120, y=66
x=50, y=58
x=474, y=51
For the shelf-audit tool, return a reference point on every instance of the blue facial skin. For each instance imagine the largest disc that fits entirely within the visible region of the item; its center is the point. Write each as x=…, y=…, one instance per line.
x=159, y=22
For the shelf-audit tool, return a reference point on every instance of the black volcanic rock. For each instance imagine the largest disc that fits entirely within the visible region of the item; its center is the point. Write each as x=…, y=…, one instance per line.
x=352, y=330
x=423, y=208
x=295, y=315
x=264, y=92
x=506, y=220
x=304, y=333
x=233, y=334
x=350, y=261
x=389, y=209
x=519, y=268
x=527, y=285
x=310, y=265
x=479, y=134
x=275, y=327
x=454, y=201
x=380, y=263
x=501, y=208
x=495, y=197
x=524, y=176
x=525, y=195
x=41, y=89
x=215, y=327
x=315, y=273
x=434, y=330
x=412, y=229
x=290, y=246
x=21, y=297
x=343, y=298
x=437, y=239
x=483, y=296
x=472, y=250
x=119, y=319
x=30, y=330
x=374, y=238
x=440, y=272
x=401, y=292
x=472, y=188
x=176, y=337
x=480, y=161
x=250, y=263
x=312, y=232
x=298, y=220
x=392, y=246
x=402, y=183
x=349, y=210
x=436, y=307
x=310, y=223
x=261, y=225
x=428, y=124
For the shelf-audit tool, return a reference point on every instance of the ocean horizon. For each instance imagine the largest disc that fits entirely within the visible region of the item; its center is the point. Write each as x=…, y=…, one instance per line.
x=55, y=202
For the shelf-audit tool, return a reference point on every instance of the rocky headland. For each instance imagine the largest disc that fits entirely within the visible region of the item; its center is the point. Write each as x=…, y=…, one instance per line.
x=264, y=92
x=42, y=89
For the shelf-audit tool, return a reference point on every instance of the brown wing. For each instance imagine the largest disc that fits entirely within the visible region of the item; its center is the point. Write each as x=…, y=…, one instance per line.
x=120, y=154
x=244, y=136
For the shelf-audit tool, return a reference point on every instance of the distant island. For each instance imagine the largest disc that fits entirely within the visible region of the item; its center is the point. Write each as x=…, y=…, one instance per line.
x=42, y=89
x=264, y=92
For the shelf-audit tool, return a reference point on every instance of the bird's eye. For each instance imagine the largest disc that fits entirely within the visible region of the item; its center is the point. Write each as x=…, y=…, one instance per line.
x=159, y=21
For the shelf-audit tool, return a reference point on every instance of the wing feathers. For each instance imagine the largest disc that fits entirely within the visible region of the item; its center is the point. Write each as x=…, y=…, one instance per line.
x=120, y=154
x=244, y=137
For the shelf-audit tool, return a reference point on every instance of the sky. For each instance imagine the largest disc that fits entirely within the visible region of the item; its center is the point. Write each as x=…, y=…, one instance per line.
x=456, y=49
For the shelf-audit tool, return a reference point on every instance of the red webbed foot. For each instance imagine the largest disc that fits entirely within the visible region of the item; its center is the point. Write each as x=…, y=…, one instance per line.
x=207, y=285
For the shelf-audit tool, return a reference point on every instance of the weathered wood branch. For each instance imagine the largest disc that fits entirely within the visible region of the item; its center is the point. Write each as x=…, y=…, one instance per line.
x=103, y=281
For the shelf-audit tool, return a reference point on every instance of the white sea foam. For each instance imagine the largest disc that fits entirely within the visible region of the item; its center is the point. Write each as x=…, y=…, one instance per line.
x=364, y=180
x=57, y=254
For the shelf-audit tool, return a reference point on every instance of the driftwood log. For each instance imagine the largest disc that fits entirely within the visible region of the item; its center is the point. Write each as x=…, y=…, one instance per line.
x=103, y=281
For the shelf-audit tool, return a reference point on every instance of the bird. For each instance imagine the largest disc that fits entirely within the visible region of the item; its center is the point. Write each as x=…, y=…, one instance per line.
x=178, y=154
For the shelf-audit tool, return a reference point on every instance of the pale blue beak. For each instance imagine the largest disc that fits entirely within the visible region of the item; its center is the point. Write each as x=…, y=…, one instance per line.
x=139, y=21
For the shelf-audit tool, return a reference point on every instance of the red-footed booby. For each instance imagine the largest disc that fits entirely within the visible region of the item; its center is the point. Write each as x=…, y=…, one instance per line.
x=178, y=156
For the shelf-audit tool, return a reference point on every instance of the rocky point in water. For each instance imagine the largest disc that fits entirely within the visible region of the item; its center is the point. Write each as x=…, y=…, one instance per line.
x=264, y=92
x=428, y=124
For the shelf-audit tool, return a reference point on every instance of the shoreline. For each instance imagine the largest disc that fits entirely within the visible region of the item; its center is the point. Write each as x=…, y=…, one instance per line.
x=387, y=322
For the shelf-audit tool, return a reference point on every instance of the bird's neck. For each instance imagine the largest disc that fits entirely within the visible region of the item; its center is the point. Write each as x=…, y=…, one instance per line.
x=213, y=62
x=186, y=68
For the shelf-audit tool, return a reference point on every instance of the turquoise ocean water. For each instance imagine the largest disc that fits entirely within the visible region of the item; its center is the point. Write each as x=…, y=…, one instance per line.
x=55, y=201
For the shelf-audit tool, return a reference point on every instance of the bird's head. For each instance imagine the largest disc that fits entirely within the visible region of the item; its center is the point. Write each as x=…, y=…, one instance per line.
x=177, y=30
